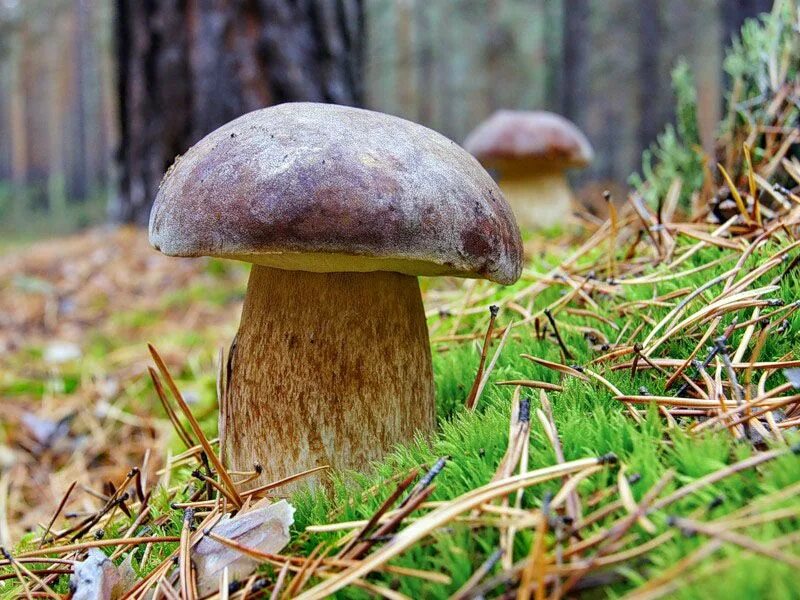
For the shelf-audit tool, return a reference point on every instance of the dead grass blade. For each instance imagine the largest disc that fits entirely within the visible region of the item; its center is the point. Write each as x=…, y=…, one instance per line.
x=441, y=516
x=221, y=471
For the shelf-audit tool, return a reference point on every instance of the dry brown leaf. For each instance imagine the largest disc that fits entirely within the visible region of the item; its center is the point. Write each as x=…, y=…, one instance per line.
x=97, y=578
x=264, y=528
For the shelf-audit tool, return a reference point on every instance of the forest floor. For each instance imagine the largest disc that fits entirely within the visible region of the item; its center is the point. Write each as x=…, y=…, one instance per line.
x=595, y=454
x=626, y=424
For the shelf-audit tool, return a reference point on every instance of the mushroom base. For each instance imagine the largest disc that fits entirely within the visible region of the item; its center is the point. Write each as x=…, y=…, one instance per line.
x=327, y=369
x=538, y=199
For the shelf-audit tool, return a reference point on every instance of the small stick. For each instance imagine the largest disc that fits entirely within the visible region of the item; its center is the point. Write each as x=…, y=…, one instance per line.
x=135, y=541
x=529, y=383
x=222, y=395
x=280, y=482
x=533, y=567
x=566, y=370
x=738, y=539
x=612, y=239
x=58, y=511
x=137, y=480
x=84, y=527
x=169, y=410
x=712, y=353
x=473, y=393
x=548, y=313
x=482, y=571
x=393, y=523
x=443, y=515
x=735, y=193
x=279, y=581
x=213, y=483
x=551, y=430
x=712, y=478
x=401, y=487
x=18, y=573
x=722, y=351
x=45, y=572
x=426, y=480
x=21, y=568
x=184, y=559
x=223, y=473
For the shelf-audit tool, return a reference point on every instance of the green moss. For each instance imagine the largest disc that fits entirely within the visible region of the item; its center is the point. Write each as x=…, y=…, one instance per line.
x=590, y=423
x=763, y=57
x=589, y=420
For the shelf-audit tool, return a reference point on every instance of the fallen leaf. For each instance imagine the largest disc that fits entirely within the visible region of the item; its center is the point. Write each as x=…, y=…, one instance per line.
x=96, y=578
x=46, y=431
x=265, y=529
x=793, y=377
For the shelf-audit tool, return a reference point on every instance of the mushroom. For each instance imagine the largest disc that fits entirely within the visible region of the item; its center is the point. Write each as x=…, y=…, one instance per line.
x=339, y=210
x=530, y=152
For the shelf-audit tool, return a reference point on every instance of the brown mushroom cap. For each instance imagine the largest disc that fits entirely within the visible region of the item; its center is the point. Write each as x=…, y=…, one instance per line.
x=536, y=138
x=326, y=188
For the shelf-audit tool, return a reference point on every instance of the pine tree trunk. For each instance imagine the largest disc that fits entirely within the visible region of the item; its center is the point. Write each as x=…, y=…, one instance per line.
x=575, y=56
x=734, y=13
x=187, y=67
x=650, y=102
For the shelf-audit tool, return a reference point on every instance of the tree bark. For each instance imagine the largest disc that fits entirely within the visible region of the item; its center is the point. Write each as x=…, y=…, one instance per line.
x=79, y=177
x=575, y=56
x=19, y=138
x=188, y=66
x=650, y=123
x=734, y=12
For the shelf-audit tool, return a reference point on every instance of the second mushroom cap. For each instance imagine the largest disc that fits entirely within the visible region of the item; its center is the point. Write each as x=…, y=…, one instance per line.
x=530, y=137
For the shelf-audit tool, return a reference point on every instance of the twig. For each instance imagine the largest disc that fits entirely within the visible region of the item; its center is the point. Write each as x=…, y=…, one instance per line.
x=549, y=314
x=472, y=397
x=223, y=473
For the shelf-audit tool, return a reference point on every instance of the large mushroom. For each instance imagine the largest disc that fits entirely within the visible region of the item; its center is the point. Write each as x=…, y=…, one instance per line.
x=339, y=210
x=530, y=151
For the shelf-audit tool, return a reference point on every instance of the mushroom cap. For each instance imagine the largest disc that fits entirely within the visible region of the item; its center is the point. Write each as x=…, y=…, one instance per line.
x=327, y=188
x=514, y=138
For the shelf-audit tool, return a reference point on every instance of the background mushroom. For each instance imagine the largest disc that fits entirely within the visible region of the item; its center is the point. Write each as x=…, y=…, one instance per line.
x=339, y=209
x=530, y=152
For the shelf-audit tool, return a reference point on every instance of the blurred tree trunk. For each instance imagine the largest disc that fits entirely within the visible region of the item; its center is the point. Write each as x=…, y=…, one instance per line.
x=5, y=126
x=734, y=13
x=18, y=118
x=56, y=190
x=650, y=119
x=575, y=57
x=82, y=153
x=187, y=67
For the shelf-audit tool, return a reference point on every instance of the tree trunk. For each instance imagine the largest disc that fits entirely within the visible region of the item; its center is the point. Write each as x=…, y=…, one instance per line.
x=79, y=176
x=734, y=13
x=19, y=138
x=188, y=66
x=650, y=123
x=575, y=56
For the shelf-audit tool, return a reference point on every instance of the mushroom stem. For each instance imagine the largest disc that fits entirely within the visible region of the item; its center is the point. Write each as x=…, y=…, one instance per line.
x=539, y=199
x=328, y=369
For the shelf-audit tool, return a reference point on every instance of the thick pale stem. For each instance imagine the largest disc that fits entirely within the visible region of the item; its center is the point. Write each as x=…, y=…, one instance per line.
x=538, y=199
x=328, y=369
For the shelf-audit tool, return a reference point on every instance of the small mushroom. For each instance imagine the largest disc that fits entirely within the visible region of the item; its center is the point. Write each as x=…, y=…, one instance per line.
x=339, y=210
x=530, y=151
